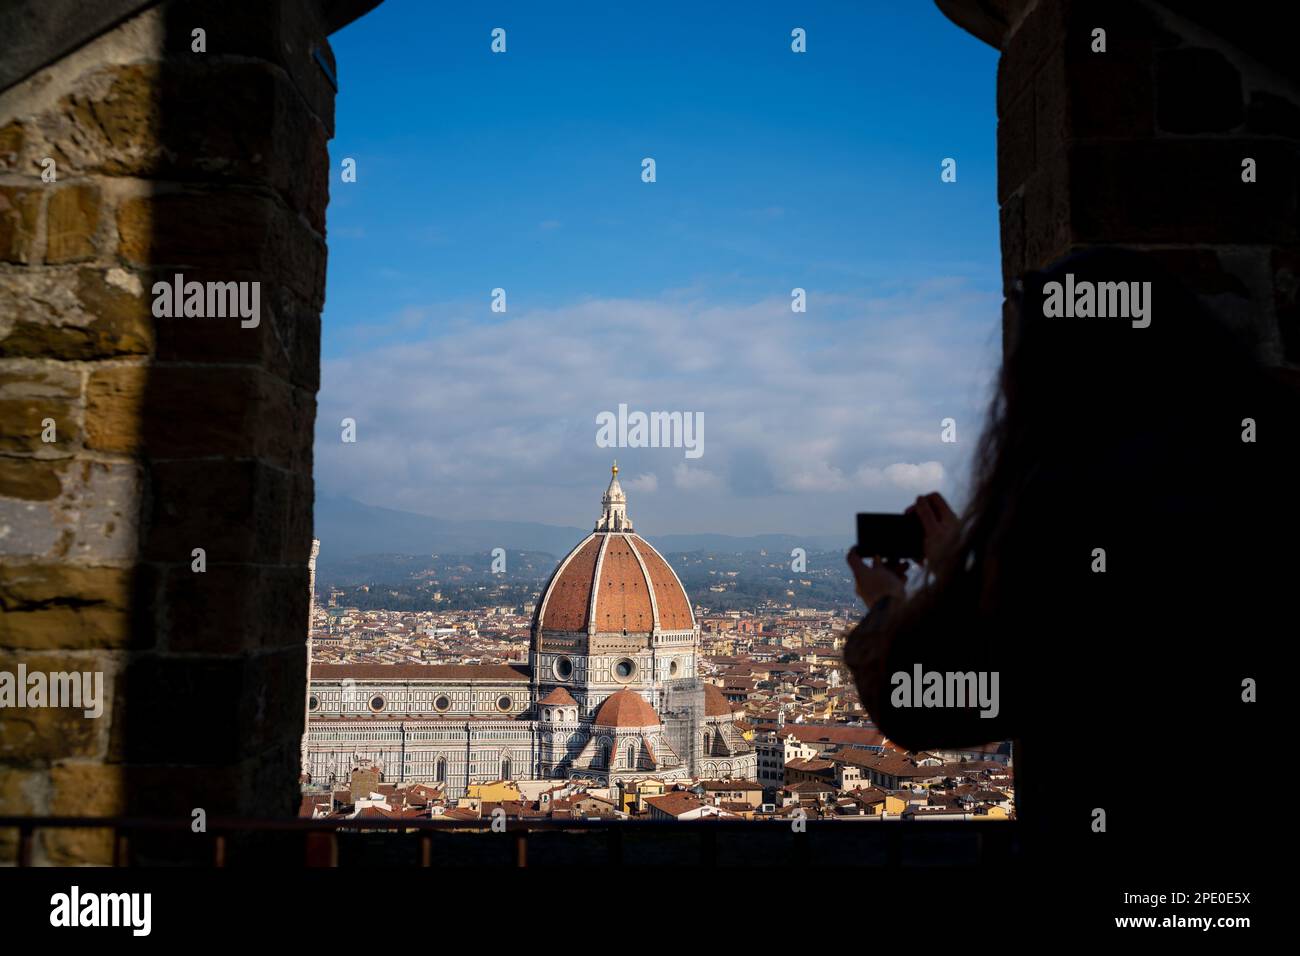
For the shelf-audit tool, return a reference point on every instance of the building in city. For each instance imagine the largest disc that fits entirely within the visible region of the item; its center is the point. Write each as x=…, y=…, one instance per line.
x=610, y=694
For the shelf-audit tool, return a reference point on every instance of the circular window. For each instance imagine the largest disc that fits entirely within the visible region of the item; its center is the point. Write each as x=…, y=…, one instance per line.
x=376, y=703
x=504, y=702
x=563, y=668
x=313, y=702
x=441, y=703
x=625, y=669
x=672, y=668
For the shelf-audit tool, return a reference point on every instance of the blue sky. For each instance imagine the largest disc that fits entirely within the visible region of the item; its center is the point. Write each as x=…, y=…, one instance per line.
x=774, y=170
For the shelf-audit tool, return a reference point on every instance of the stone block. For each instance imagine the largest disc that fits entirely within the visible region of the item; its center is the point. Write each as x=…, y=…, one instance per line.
x=31, y=395
x=114, y=407
x=65, y=606
x=46, y=734
x=71, y=223
x=87, y=314
x=20, y=210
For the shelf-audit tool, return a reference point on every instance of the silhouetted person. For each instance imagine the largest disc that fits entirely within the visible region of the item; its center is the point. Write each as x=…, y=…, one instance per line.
x=1121, y=689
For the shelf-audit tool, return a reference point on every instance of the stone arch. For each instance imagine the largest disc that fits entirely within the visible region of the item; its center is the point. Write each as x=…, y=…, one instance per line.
x=204, y=470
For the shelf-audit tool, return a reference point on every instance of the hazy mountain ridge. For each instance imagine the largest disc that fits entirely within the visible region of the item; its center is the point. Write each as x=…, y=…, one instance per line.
x=348, y=529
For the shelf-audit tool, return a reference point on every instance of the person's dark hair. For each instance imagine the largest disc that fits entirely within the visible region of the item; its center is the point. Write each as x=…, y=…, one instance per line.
x=1078, y=398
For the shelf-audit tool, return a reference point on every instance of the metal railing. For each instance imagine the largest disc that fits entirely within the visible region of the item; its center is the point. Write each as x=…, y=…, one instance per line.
x=870, y=841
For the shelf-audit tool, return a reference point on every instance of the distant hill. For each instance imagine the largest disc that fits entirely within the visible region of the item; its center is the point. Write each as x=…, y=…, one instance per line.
x=348, y=528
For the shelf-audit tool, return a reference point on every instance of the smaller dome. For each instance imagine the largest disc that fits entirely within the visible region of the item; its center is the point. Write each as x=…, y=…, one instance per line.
x=559, y=698
x=715, y=703
x=626, y=708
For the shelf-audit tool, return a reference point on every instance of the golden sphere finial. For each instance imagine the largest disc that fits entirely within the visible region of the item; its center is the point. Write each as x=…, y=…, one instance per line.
x=614, y=470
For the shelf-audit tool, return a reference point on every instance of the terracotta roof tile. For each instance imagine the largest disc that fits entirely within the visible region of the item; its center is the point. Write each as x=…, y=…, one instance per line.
x=623, y=602
x=674, y=607
x=559, y=697
x=626, y=708
x=567, y=597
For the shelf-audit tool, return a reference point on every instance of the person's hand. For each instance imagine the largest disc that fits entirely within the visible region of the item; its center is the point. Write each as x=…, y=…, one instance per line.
x=939, y=525
x=878, y=579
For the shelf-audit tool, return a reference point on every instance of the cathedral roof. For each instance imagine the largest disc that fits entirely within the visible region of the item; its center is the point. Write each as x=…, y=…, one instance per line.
x=559, y=697
x=614, y=582
x=626, y=708
x=715, y=703
x=451, y=673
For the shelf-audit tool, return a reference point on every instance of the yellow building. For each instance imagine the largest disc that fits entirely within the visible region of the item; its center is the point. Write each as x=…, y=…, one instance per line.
x=633, y=793
x=498, y=791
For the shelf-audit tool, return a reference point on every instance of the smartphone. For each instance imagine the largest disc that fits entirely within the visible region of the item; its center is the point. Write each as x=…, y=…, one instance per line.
x=891, y=536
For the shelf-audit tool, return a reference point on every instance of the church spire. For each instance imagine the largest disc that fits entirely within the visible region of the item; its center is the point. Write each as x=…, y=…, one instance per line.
x=614, y=505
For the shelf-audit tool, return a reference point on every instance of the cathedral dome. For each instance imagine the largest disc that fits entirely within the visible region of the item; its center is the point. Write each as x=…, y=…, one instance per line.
x=614, y=582
x=626, y=708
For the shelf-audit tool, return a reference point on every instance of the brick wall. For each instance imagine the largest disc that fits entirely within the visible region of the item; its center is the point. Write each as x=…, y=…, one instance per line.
x=172, y=434
x=1142, y=146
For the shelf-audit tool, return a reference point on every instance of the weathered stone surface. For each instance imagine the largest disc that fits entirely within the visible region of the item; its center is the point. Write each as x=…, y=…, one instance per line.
x=237, y=235
x=1038, y=36
x=22, y=793
x=71, y=220
x=93, y=519
x=20, y=209
x=1047, y=212
x=31, y=479
x=285, y=344
x=1016, y=135
x=84, y=790
x=87, y=314
x=87, y=790
x=132, y=120
x=244, y=412
x=1012, y=220
x=46, y=734
x=11, y=144
x=202, y=618
x=236, y=510
x=64, y=606
x=233, y=146
x=279, y=34
x=114, y=402
x=29, y=396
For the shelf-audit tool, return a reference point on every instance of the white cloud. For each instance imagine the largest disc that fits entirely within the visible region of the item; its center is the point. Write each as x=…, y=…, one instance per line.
x=648, y=483
x=694, y=479
x=926, y=476
x=810, y=416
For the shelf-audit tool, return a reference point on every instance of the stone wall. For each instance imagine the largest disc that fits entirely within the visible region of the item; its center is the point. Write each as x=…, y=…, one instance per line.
x=1142, y=145
x=171, y=434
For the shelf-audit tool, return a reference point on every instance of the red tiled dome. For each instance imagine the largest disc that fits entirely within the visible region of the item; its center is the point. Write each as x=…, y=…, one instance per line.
x=715, y=703
x=632, y=581
x=626, y=708
x=559, y=698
